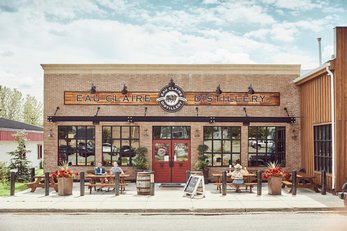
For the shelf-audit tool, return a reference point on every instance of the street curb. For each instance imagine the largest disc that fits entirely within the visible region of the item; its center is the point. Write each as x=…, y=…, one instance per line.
x=214, y=211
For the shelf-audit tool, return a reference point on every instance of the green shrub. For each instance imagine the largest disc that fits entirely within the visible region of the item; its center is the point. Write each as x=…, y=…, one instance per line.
x=4, y=173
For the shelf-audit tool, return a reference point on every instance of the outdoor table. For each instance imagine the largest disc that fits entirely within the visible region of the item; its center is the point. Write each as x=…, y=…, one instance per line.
x=306, y=181
x=40, y=182
x=247, y=178
x=101, y=180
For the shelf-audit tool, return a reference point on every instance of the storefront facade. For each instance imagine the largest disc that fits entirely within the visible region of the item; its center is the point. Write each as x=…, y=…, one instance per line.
x=248, y=114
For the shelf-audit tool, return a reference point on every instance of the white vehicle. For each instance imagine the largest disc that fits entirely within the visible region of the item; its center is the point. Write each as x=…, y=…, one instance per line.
x=262, y=144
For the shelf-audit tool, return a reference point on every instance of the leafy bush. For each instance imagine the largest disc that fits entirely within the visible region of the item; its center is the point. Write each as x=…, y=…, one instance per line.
x=202, y=162
x=140, y=161
x=4, y=173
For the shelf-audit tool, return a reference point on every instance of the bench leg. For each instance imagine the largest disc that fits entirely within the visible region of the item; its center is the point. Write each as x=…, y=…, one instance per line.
x=250, y=189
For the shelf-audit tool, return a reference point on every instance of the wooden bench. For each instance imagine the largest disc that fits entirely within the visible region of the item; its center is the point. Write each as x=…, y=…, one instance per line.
x=39, y=183
x=246, y=185
x=287, y=183
x=101, y=185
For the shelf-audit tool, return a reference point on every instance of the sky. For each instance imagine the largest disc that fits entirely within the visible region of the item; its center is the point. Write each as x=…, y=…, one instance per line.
x=161, y=31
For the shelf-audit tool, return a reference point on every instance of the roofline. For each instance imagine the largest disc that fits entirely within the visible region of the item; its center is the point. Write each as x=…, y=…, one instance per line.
x=311, y=74
x=279, y=69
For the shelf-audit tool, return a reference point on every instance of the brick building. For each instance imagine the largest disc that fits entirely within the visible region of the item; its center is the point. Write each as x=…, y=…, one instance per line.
x=246, y=114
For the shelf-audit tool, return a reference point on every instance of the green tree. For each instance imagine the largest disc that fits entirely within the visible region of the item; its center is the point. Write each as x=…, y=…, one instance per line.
x=11, y=103
x=32, y=111
x=140, y=162
x=18, y=158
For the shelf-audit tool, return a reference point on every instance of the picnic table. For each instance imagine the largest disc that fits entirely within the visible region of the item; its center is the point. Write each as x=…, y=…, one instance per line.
x=248, y=178
x=303, y=181
x=105, y=180
x=39, y=182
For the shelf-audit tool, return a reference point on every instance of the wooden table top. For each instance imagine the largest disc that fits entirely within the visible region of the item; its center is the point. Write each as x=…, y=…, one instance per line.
x=105, y=175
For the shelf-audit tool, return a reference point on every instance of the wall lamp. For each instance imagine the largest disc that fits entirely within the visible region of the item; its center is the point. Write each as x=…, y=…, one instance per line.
x=124, y=90
x=171, y=83
x=56, y=110
x=197, y=111
x=218, y=90
x=250, y=90
x=145, y=132
x=93, y=89
x=245, y=110
x=146, y=111
x=50, y=132
x=97, y=111
x=286, y=111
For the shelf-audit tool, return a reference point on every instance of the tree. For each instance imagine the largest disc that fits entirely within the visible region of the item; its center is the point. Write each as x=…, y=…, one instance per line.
x=140, y=162
x=32, y=111
x=18, y=158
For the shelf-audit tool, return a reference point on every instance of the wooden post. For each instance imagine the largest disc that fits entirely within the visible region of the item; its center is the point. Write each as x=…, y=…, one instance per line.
x=13, y=183
x=32, y=174
x=117, y=179
x=187, y=175
x=82, y=183
x=152, y=184
x=324, y=182
x=294, y=182
x=46, y=183
x=259, y=182
x=224, y=183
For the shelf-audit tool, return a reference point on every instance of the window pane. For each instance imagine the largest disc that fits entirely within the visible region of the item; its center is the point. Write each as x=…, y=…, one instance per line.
x=107, y=146
x=226, y=159
x=115, y=145
x=252, y=132
x=161, y=152
x=236, y=159
x=81, y=133
x=180, y=132
x=125, y=132
x=165, y=132
x=181, y=152
x=116, y=132
x=135, y=132
x=106, y=133
x=227, y=146
x=217, y=160
x=135, y=144
x=217, y=133
x=236, y=146
x=209, y=159
x=217, y=146
x=262, y=133
x=271, y=132
x=236, y=133
x=71, y=159
x=208, y=131
x=209, y=145
x=106, y=158
x=156, y=133
x=226, y=132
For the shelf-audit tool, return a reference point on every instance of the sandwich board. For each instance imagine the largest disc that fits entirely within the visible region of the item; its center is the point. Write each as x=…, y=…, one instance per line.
x=195, y=186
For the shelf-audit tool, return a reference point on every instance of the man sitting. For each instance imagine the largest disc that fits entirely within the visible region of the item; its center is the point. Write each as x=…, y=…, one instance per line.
x=100, y=170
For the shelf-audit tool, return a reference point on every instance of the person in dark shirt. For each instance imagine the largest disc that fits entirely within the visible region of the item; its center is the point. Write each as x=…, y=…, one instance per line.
x=99, y=169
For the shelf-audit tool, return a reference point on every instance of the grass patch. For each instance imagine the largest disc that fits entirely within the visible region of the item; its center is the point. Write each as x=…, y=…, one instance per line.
x=38, y=172
x=5, y=188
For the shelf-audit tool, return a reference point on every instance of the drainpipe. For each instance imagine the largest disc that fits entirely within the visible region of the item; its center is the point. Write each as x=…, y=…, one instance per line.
x=333, y=175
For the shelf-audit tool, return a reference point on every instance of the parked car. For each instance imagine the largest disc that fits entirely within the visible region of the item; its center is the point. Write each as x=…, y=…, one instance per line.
x=261, y=143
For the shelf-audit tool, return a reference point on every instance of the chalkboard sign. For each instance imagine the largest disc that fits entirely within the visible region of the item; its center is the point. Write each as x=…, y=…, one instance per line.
x=192, y=185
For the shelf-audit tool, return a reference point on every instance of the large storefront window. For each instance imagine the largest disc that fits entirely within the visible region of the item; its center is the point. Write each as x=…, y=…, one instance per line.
x=76, y=145
x=119, y=144
x=266, y=144
x=224, y=145
x=322, y=148
x=171, y=133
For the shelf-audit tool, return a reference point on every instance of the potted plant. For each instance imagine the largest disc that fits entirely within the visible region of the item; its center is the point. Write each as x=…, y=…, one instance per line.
x=274, y=174
x=140, y=161
x=202, y=163
x=65, y=180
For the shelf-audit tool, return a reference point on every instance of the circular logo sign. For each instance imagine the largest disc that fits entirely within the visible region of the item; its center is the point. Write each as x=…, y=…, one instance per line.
x=171, y=98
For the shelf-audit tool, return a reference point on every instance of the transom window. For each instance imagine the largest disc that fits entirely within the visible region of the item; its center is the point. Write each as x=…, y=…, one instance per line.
x=76, y=145
x=171, y=132
x=266, y=144
x=322, y=148
x=119, y=144
x=224, y=145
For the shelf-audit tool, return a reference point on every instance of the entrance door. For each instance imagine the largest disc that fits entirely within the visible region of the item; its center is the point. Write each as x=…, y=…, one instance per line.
x=171, y=157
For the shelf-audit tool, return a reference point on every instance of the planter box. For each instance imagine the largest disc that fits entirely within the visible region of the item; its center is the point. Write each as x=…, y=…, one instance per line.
x=65, y=186
x=275, y=186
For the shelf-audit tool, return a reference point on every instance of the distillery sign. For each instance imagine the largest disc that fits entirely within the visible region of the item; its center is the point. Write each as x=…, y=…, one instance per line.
x=172, y=98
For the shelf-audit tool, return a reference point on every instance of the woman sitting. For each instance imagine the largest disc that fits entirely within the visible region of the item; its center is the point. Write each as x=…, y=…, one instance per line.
x=237, y=176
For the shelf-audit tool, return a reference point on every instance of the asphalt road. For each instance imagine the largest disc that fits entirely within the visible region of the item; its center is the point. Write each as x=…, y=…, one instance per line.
x=134, y=222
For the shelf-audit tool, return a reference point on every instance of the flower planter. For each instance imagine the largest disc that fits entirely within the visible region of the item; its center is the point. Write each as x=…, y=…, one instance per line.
x=275, y=185
x=65, y=185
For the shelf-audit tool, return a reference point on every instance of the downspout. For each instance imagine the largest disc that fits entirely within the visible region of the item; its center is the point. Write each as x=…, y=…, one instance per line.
x=333, y=175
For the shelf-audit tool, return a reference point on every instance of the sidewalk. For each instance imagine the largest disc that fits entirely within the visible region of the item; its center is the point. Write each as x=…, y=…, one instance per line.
x=168, y=200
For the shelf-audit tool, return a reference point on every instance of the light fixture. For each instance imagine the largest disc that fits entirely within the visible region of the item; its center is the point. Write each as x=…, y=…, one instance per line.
x=130, y=119
x=286, y=111
x=145, y=132
x=245, y=110
x=171, y=83
x=197, y=111
x=97, y=111
x=250, y=90
x=50, y=132
x=218, y=90
x=197, y=133
x=145, y=111
x=56, y=110
x=124, y=90
x=93, y=89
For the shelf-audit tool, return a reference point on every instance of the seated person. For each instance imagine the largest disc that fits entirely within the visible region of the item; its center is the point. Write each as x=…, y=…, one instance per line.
x=99, y=169
x=116, y=169
x=237, y=176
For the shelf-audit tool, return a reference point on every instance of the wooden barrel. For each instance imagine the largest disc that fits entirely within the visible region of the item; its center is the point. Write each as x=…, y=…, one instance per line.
x=143, y=183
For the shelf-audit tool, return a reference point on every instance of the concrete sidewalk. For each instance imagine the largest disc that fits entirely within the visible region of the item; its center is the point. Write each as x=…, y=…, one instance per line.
x=171, y=200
